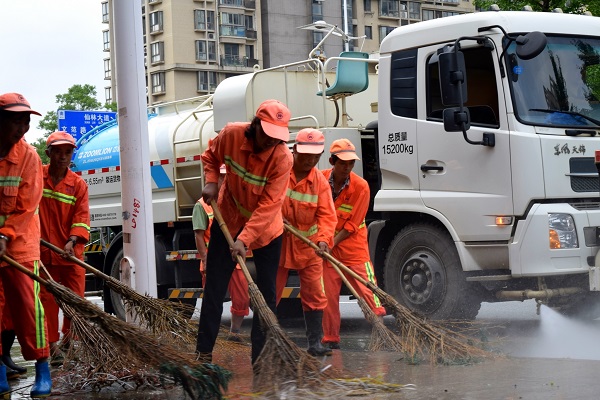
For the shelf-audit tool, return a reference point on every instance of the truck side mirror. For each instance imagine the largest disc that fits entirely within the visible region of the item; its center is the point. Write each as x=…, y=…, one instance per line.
x=453, y=77
x=457, y=120
x=530, y=45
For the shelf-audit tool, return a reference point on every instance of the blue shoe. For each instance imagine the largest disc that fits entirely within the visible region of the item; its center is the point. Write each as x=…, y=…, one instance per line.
x=43, y=382
x=4, y=386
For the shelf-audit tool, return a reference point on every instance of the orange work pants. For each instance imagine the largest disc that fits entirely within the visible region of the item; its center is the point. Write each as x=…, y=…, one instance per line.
x=20, y=295
x=312, y=292
x=71, y=276
x=333, y=286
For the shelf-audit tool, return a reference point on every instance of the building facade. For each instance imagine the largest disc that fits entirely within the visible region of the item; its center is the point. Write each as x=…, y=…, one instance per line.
x=192, y=45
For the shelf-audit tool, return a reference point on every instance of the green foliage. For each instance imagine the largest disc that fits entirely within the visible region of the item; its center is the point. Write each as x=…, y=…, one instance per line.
x=568, y=6
x=78, y=97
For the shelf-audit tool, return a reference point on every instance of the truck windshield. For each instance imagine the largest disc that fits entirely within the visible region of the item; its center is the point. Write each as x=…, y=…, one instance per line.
x=561, y=86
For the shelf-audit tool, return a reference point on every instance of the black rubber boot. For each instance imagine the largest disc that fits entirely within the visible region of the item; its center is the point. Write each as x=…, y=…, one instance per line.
x=8, y=338
x=314, y=333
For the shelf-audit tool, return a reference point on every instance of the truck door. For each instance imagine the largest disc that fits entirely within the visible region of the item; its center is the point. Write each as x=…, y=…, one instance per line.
x=469, y=184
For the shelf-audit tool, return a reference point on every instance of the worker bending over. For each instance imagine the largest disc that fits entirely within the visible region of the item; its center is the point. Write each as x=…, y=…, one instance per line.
x=350, y=247
x=258, y=170
x=308, y=207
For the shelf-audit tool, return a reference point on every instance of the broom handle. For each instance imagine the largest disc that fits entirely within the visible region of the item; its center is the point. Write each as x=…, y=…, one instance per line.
x=24, y=270
x=76, y=260
x=225, y=230
x=335, y=262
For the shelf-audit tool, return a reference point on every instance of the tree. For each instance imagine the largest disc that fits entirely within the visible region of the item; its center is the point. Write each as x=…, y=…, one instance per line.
x=568, y=6
x=78, y=97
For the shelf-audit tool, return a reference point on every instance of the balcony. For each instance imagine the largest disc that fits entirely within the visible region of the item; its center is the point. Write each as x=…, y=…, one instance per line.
x=232, y=30
x=250, y=34
x=250, y=4
x=237, y=61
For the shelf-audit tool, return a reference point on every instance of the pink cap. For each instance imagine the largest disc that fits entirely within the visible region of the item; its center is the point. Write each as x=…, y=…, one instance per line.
x=310, y=141
x=344, y=150
x=58, y=138
x=274, y=118
x=15, y=102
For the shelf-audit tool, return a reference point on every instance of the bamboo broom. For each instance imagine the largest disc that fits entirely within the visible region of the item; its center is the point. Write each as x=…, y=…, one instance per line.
x=281, y=360
x=418, y=335
x=129, y=345
x=161, y=317
x=382, y=338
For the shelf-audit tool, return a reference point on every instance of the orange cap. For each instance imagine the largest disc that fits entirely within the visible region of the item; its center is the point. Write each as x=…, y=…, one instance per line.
x=60, y=137
x=15, y=102
x=310, y=141
x=274, y=118
x=344, y=150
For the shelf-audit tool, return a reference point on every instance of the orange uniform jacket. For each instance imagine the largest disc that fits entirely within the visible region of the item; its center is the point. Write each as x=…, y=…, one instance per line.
x=64, y=212
x=21, y=191
x=351, y=208
x=252, y=194
x=308, y=207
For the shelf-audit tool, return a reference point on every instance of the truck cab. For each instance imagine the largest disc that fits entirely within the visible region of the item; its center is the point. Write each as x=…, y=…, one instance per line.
x=486, y=136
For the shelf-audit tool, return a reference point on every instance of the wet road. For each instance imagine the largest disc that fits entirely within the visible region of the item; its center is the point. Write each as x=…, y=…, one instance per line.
x=543, y=357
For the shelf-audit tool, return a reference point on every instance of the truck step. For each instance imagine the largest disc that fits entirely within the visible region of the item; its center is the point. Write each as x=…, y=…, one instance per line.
x=489, y=278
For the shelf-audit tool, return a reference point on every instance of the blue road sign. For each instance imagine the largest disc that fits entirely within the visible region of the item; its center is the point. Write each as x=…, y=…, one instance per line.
x=78, y=123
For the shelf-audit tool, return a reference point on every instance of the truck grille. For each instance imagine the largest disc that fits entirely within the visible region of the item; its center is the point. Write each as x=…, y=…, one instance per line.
x=584, y=175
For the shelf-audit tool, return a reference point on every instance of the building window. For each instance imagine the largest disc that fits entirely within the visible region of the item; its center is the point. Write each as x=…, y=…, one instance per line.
x=249, y=22
x=233, y=25
x=384, y=31
x=367, y=5
x=212, y=50
x=201, y=54
x=428, y=14
x=158, y=82
x=106, y=40
x=108, y=94
x=389, y=8
x=414, y=10
x=107, y=68
x=207, y=81
x=157, y=52
x=369, y=32
x=204, y=20
x=231, y=55
x=249, y=51
x=235, y=3
x=156, y=21
x=105, y=12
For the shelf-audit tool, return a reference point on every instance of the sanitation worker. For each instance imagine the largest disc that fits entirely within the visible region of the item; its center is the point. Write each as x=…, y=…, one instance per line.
x=350, y=247
x=308, y=207
x=65, y=222
x=202, y=217
x=258, y=166
x=21, y=191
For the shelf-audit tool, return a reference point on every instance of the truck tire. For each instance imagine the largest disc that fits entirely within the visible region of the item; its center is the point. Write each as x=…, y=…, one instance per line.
x=116, y=301
x=423, y=272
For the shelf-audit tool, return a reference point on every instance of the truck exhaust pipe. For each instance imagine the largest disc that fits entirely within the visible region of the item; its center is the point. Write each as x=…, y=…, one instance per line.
x=543, y=294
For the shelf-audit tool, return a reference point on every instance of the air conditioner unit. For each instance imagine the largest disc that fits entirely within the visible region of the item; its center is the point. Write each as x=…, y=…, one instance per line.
x=211, y=35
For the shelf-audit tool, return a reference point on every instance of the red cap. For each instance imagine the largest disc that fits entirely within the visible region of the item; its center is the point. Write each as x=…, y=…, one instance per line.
x=310, y=141
x=60, y=137
x=274, y=118
x=344, y=150
x=15, y=102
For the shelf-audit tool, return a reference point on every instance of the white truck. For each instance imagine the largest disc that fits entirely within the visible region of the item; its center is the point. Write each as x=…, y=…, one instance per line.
x=477, y=135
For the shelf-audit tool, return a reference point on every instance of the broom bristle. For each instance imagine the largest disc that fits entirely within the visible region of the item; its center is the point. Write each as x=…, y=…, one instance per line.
x=382, y=338
x=131, y=345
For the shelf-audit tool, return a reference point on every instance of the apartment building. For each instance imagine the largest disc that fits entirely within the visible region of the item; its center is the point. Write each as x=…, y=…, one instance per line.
x=192, y=45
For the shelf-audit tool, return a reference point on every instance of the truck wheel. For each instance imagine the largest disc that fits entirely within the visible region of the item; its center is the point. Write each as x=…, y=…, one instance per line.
x=423, y=272
x=115, y=298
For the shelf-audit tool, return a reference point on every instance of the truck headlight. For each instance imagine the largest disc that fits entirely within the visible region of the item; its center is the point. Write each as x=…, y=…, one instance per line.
x=562, y=232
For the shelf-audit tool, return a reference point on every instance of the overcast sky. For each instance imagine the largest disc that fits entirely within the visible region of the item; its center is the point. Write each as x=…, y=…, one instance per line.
x=49, y=46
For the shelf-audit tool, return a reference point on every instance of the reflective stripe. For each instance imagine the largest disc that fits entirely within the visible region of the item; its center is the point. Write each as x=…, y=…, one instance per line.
x=245, y=175
x=311, y=231
x=3, y=219
x=362, y=225
x=345, y=208
x=81, y=225
x=40, y=332
x=309, y=198
x=50, y=194
x=241, y=209
x=371, y=277
x=10, y=181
